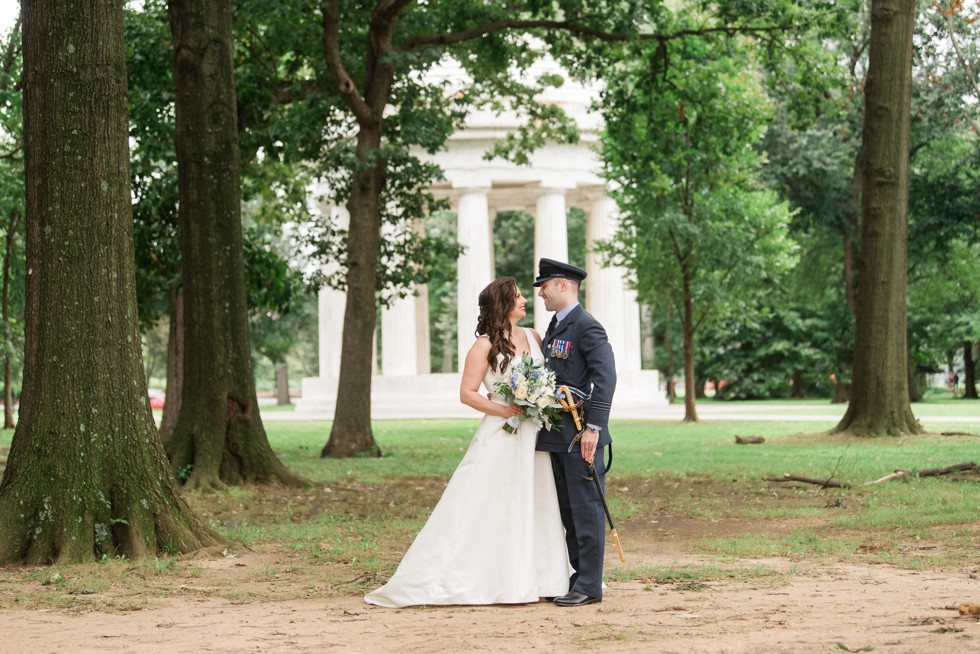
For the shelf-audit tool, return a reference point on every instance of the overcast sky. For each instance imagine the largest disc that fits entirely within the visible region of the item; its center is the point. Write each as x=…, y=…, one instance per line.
x=8, y=14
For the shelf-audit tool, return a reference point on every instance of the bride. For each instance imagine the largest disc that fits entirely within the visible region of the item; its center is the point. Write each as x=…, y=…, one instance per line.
x=495, y=537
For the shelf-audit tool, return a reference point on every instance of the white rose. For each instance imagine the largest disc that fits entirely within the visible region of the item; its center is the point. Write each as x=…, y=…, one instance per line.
x=521, y=392
x=543, y=402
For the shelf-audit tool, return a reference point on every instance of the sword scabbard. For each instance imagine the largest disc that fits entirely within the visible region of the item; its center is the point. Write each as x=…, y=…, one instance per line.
x=619, y=546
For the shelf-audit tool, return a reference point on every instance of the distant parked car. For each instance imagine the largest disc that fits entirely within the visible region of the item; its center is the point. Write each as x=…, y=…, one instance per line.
x=157, y=397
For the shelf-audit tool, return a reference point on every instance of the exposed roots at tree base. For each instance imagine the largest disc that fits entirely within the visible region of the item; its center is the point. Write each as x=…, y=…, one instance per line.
x=44, y=534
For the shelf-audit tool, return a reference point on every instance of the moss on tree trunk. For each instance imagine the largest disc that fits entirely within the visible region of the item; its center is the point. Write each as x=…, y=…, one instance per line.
x=219, y=438
x=86, y=476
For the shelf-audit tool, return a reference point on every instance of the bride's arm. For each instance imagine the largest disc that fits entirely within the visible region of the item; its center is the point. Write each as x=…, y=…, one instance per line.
x=474, y=370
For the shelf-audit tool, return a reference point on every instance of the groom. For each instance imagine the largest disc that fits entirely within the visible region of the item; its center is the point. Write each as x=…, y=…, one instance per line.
x=576, y=348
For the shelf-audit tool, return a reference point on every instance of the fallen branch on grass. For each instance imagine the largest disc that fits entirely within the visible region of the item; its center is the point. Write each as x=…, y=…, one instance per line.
x=749, y=440
x=826, y=483
x=898, y=474
x=959, y=433
x=928, y=472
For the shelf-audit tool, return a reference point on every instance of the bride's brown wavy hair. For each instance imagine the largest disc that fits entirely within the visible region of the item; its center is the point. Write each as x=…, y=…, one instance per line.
x=496, y=303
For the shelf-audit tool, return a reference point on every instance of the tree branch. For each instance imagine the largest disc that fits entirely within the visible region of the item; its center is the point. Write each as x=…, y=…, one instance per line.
x=12, y=155
x=331, y=52
x=576, y=28
x=11, y=53
x=826, y=483
x=959, y=53
x=378, y=74
x=288, y=92
x=898, y=474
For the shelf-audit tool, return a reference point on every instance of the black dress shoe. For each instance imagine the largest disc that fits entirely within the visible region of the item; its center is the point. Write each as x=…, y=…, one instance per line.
x=573, y=598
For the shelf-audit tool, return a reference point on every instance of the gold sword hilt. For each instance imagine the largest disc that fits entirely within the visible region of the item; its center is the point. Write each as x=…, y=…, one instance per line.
x=570, y=406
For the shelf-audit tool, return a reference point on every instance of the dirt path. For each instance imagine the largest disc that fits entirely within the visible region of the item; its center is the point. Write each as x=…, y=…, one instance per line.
x=800, y=611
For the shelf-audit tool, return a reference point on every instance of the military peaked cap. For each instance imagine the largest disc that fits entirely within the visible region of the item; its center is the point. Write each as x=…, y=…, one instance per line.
x=549, y=269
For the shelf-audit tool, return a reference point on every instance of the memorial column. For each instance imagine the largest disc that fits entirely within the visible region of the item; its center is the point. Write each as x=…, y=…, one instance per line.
x=473, y=269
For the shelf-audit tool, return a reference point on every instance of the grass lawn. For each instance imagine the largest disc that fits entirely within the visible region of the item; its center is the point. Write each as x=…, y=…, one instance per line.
x=675, y=472
x=673, y=487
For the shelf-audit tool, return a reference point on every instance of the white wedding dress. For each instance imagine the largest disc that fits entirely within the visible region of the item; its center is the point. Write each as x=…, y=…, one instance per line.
x=495, y=537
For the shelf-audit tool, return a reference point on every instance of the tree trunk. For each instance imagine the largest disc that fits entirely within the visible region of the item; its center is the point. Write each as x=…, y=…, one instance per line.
x=447, y=353
x=851, y=237
x=914, y=394
x=690, y=383
x=671, y=385
x=879, y=389
x=175, y=364
x=282, y=384
x=86, y=476
x=796, y=389
x=969, y=372
x=219, y=438
x=648, y=346
x=351, y=433
x=8, y=392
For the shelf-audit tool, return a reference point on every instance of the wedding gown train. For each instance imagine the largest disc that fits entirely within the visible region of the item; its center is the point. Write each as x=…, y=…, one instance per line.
x=495, y=537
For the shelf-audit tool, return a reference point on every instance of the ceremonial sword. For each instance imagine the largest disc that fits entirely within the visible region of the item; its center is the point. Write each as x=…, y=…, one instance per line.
x=570, y=405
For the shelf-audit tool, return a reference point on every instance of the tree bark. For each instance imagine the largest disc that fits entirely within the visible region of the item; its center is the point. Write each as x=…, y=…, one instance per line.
x=175, y=364
x=796, y=389
x=219, y=438
x=648, y=346
x=351, y=433
x=8, y=392
x=671, y=389
x=86, y=476
x=282, y=384
x=842, y=393
x=879, y=391
x=969, y=372
x=690, y=383
x=850, y=238
x=914, y=394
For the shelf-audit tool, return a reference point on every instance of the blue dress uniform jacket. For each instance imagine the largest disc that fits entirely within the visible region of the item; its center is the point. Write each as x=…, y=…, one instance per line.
x=579, y=353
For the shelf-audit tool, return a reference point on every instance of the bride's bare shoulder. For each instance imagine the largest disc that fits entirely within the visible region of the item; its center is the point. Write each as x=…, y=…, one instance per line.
x=482, y=343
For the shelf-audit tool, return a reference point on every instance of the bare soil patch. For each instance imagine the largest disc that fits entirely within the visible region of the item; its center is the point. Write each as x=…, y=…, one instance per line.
x=254, y=603
x=291, y=597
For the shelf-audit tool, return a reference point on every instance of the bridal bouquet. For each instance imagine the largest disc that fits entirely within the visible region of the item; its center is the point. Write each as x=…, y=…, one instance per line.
x=531, y=386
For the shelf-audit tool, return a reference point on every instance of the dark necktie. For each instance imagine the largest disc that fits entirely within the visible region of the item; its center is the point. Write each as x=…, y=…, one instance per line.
x=551, y=326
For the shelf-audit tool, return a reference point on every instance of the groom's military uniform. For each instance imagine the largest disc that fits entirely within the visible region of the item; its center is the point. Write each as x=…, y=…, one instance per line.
x=578, y=351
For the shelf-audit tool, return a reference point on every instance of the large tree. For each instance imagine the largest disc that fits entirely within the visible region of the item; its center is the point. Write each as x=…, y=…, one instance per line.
x=377, y=56
x=11, y=213
x=698, y=232
x=219, y=438
x=879, y=403
x=86, y=476
x=273, y=191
